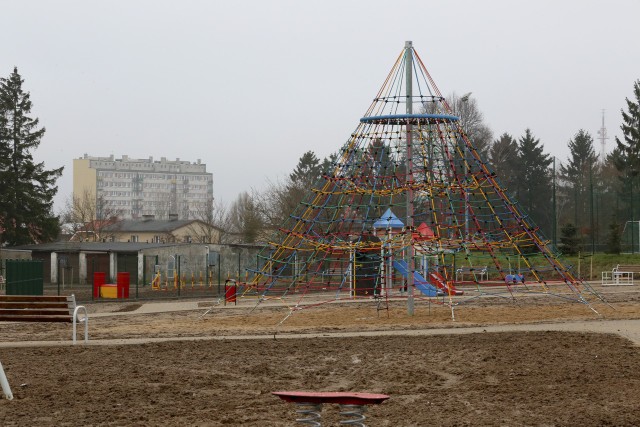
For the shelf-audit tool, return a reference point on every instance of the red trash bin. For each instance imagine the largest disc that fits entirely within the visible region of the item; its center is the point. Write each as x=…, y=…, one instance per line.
x=230, y=290
x=99, y=279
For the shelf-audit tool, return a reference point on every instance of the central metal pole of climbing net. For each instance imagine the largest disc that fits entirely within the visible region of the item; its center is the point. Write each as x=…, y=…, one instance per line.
x=408, y=58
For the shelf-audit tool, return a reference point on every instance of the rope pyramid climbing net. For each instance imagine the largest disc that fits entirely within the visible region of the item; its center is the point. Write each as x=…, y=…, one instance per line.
x=410, y=210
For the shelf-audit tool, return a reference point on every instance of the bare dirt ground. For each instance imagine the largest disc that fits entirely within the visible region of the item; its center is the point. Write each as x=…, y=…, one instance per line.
x=509, y=378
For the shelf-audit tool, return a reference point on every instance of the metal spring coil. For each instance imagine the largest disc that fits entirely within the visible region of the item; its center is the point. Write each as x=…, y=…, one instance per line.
x=312, y=411
x=353, y=411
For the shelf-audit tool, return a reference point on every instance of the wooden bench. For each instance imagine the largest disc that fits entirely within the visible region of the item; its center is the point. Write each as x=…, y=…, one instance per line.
x=39, y=308
x=620, y=275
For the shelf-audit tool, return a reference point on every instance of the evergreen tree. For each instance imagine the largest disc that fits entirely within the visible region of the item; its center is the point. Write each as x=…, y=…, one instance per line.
x=569, y=240
x=577, y=176
x=630, y=146
x=305, y=176
x=503, y=157
x=627, y=156
x=26, y=194
x=307, y=171
x=607, y=185
x=613, y=240
x=329, y=164
x=534, y=188
x=282, y=199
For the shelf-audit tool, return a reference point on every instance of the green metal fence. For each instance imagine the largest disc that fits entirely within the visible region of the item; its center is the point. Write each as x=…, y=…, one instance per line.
x=24, y=277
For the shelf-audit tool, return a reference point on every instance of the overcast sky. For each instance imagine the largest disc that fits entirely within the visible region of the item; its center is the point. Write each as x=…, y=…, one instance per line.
x=249, y=86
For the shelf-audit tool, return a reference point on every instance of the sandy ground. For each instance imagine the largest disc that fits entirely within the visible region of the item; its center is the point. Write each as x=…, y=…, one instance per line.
x=532, y=361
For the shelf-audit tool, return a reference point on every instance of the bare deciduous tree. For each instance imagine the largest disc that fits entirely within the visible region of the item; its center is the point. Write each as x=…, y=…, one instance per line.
x=245, y=219
x=87, y=217
x=214, y=226
x=472, y=120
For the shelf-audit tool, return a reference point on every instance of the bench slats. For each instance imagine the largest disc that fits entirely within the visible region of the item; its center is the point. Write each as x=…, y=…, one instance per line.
x=628, y=268
x=34, y=298
x=36, y=308
x=35, y=318
x=19, y=312
x=40, y=308
x=32, y=305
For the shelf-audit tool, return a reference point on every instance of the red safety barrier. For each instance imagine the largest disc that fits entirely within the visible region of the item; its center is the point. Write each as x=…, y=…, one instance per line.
x=99, y=279
x=123, y=284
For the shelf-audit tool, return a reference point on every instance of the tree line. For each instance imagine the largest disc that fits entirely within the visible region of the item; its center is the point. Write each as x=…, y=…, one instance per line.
x=582, y=202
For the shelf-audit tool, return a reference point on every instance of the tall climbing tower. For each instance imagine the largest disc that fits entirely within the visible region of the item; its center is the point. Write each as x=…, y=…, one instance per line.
x=410, y=209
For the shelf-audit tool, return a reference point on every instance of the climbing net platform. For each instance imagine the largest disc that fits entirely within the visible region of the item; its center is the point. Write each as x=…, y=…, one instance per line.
x=410, y=204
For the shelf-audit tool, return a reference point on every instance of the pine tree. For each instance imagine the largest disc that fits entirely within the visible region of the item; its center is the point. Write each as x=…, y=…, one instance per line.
x=307, y=171
x=26, y=194
x=627, y=159
x=569, y=240
x=606, y=184
x=280, y=199
x=534, y=188
x=613, y=239
x=503, y=156
x=577, y=175
x=630, y=147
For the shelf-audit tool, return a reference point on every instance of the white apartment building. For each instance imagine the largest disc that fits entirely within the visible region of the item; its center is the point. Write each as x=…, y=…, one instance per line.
x=136, y=187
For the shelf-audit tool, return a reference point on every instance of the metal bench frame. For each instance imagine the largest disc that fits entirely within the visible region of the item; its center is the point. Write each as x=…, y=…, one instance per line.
x=621, y=275
x=479, y=273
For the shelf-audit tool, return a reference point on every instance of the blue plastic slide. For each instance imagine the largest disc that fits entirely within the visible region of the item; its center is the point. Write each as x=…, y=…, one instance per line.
x=419, y=282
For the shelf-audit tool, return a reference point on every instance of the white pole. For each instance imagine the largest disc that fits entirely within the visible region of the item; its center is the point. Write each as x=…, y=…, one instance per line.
x=408, y=57
x=389, y=262
x=5, y=384
x=352, y=275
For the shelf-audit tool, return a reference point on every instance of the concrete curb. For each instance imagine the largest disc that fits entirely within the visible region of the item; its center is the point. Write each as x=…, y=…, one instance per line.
x=629, y=329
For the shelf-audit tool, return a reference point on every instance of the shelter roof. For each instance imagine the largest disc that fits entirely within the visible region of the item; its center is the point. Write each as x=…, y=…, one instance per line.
x=93, y=246
x=388, y=220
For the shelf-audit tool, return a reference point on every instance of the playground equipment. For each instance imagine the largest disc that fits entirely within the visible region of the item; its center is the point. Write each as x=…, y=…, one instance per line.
x=514, y=278
x=352, y=405
x=419, y=282
x=166, y=281
x=120, y=289
x=409, y=161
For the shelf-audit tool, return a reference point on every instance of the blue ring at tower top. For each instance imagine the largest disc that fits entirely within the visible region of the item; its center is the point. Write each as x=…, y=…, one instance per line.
x=400, y=119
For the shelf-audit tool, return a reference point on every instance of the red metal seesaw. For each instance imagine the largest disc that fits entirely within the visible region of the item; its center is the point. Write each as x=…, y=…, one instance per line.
x=351, y=404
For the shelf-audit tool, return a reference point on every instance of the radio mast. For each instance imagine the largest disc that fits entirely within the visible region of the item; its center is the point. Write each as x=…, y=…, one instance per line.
x=602, y=136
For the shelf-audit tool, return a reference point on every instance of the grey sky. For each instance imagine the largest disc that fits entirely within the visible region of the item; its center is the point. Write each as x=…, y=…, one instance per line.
x=249, y=86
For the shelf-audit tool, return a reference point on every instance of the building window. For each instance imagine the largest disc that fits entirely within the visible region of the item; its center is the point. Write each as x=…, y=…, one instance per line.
x=134, y=238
